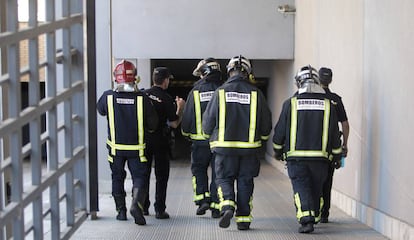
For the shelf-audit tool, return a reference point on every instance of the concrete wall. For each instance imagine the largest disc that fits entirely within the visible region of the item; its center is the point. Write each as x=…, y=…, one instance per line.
x=142, y=30
x=368, y=44
x=196, y=29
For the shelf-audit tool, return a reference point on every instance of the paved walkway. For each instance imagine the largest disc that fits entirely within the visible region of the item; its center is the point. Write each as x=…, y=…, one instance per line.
x=273, y=213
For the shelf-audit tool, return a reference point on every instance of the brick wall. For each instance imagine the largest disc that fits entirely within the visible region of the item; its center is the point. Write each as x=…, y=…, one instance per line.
x=24, y=54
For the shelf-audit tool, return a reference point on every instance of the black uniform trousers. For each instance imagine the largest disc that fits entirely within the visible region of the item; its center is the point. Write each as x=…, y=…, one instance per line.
x=201, y=159
x=239, y=168
x=139, y=173
x=157, y=150
x=307, y=178
x=327, y=187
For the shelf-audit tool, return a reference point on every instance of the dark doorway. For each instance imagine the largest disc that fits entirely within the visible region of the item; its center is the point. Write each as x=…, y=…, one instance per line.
x=181, y=85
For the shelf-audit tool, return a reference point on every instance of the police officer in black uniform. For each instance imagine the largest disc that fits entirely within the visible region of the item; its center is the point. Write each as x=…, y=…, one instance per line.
x=237, y=120
x=129, y=113
x=307, y=137
x=325, y=77
x=169, y=113
x=205, y=197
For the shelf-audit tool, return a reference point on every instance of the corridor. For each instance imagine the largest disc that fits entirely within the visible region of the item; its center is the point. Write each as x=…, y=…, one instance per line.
x=273, y=215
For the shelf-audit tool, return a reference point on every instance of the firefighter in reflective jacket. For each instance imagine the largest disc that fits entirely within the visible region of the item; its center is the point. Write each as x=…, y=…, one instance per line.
x=237, y=120
x=191, y=127
x=307, y=137
x=129, y=112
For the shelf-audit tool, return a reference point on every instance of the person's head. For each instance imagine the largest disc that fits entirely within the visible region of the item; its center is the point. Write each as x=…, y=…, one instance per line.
x=325, y=76
x=239, y=65
x=206, y=67
x=306, y=74
x=161, y=77
x=125, y=76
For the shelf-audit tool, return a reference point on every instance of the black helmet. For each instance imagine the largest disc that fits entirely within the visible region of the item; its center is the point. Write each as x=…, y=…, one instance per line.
x=206, y=66
x=325, y=76
x=239, y=63
x=306, y=74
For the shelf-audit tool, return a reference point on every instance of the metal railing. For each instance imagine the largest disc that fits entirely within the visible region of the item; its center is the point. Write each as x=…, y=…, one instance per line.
x=44, y=194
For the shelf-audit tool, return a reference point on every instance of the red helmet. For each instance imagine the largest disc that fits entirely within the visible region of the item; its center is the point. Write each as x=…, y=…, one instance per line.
x=125, y=72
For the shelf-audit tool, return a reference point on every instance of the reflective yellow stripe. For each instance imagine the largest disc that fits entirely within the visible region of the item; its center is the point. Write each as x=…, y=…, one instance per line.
x=110, y=159
x=264, y=138
x=198, y=197
x=140, y=117
x=222, y=115
x=214, y=205
x=244, y=218
x=195, y=136
x=197, y=108
x=337, y=150
x=253, y=110
x=293, y=132
x=220, y=194
x=277, y=146
x=230, y=203
x=307, y=153
x=326, y=114
x=299, y=212
x=293, y=124
x=127, y=147
x=321, y=202
x=111, y=121
x=235, y=144
x=220, y=142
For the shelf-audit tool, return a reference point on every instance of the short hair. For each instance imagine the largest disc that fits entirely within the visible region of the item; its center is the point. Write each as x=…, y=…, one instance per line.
x=160, y=74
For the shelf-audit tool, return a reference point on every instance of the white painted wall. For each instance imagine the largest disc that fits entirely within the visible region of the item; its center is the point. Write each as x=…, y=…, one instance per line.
x=196, y=29
x=368, y=44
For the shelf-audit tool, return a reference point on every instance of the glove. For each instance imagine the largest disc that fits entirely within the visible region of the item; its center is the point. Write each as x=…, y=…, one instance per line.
x=344, y=151
x=336, y=163
x=279, y=155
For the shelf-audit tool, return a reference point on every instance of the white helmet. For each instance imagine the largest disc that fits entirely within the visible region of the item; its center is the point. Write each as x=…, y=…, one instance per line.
x=307, y=80
x=239, y=63
x=206, y=66
x=306, y=74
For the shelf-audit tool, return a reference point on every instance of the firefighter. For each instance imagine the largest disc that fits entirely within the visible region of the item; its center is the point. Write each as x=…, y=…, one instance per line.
x=129, y=113
x=237, y=120
x=307, y=137
x=205, y=197
x=325, y=77
x=158, y=148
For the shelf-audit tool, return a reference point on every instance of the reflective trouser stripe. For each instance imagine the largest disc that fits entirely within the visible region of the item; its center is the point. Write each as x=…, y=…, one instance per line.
x=299, y=212
x=230, y=203
x=222, y=201
x=214, y=205
x=198, y=197
x=244, y=218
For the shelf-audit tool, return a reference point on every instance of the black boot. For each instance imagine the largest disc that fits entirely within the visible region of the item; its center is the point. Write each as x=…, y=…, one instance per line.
x=120, y=207
x=138, y=198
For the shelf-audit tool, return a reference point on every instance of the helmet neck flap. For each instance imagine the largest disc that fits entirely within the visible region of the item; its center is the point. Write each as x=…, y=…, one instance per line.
x=310, y=87
x=126, y=87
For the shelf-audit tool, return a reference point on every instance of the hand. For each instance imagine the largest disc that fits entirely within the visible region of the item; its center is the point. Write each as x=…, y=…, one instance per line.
x=180, y=104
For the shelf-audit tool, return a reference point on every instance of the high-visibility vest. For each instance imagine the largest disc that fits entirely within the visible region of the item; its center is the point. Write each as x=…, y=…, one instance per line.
x=316, y=153
x=112, y=141
x=250, y=142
